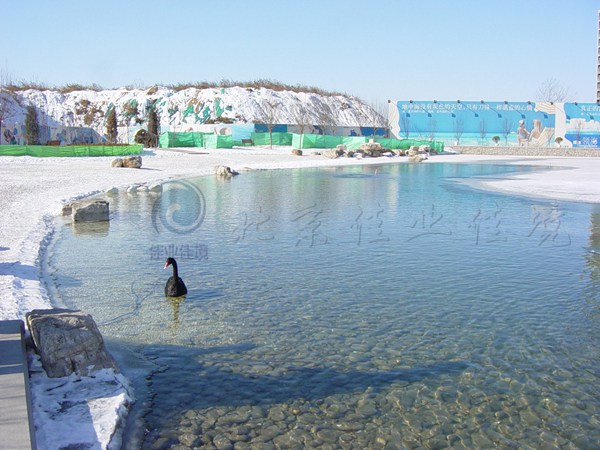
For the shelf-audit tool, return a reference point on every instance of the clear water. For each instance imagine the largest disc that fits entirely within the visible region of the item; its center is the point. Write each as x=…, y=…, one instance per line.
x=364, y=307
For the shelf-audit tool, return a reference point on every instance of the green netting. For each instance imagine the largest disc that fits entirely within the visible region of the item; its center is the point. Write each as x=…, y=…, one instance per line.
x=171, y=139
x=218, y=141
x=278, y=138
x=405, y=144
x=354, y=142
x=70, y=150
x=316, y=141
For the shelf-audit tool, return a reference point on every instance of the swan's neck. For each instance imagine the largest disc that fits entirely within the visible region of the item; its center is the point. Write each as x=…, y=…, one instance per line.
x=175, y=272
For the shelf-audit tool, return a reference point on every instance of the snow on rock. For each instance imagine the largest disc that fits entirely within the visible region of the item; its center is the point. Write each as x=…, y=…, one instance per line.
x=185, y=108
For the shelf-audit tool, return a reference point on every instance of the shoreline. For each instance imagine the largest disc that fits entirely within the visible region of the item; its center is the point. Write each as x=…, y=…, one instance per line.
x=33, y=191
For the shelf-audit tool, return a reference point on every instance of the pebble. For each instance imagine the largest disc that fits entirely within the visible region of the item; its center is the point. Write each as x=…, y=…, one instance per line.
x=327, y=435
x=222, y=442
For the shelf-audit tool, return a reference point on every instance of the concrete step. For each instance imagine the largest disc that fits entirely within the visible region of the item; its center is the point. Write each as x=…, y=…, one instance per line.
x=16, y=422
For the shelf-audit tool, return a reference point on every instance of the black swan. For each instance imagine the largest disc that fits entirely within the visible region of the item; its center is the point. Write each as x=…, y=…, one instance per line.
x=175, y=286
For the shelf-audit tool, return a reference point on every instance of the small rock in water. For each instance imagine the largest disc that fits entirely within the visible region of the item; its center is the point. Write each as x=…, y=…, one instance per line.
x=155, y=188
x=225, y=171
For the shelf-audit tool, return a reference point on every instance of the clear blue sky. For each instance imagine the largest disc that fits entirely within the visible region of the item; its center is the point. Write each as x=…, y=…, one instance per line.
x=376, y=49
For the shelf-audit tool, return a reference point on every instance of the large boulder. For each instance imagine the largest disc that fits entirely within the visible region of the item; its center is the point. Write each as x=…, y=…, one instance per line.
x=296, y=152
x=87, y=210
x=132, y=162
x=331, y=153
x=224, y=171
x=371, y=148
x=68, y=341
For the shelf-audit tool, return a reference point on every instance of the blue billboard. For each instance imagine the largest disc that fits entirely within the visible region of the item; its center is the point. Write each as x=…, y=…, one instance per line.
x=498, y=122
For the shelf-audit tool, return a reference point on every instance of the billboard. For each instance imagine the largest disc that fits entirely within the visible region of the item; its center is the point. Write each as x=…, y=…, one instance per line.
x=497, y=122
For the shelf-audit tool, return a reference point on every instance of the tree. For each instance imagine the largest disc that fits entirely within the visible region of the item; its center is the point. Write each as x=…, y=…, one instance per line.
x=552, y=91
x=32, y=127
x=327, y=119
x=507, y=126
x=4, y=104
x=301, y=118
x=459, y=128
x=267, y=116
x=153, y=132
x=377, y=116
x=111, y=126
x=482, y=130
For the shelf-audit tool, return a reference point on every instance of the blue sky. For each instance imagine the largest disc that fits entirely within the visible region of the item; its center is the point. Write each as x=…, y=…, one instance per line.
x=376, y=49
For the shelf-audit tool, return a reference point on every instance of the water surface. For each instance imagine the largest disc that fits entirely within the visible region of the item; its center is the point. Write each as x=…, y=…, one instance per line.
x=363, y=307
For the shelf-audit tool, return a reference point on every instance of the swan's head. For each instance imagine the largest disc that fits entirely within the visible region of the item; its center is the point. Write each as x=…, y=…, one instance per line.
x=169, y=262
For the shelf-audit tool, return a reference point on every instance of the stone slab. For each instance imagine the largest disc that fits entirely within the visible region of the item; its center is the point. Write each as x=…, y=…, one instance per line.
x=16, y=423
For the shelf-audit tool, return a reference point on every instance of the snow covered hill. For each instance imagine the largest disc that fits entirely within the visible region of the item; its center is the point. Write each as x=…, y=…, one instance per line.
x=183, y=110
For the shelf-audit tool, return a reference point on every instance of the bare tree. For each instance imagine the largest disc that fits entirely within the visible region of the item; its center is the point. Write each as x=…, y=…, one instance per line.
x=377, y=117
x=551, y=90
x=482, y=130
x=5, y=107
x=301, y=118
x=507, y=127
x=267, y=116
x=459, y=128
x=327, y=119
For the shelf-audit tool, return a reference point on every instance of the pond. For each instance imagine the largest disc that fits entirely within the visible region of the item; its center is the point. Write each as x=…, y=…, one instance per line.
x=361, y=307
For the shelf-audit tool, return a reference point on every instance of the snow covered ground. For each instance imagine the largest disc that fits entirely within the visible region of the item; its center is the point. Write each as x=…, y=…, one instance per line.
x=86, y=411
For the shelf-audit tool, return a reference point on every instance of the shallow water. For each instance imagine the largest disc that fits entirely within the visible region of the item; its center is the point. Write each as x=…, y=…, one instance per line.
x=363, y=307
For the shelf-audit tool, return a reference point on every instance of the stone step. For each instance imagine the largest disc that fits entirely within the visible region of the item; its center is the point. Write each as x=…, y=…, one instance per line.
x=16, y=423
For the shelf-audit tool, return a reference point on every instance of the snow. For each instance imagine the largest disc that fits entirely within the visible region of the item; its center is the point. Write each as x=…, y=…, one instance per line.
x=86, y=412
x=184, y=110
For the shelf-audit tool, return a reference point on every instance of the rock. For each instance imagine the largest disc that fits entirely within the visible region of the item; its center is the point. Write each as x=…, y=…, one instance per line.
x=424, y=149
x=88, y=210
x=157, y=188
x=371, y=148
x=117, y=162
x=132, y=162
x=132, y=189
x=413, y=150
x=68, y=342
x=225, y=171
x=417, y=158
x=331, y=153
x=296, y=152
x=67, y=209
x=112, y=191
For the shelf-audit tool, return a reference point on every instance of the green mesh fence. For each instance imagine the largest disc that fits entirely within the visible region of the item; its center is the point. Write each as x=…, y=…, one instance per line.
x=218, y=141
x=405, y=144
x=278, y=138
x=70, y=150
x=171, y=139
